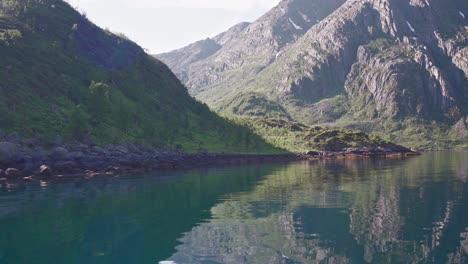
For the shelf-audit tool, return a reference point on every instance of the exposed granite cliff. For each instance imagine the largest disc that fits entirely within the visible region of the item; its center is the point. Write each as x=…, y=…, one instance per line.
x=394, y=64
x=180, y=60
x=254, y=47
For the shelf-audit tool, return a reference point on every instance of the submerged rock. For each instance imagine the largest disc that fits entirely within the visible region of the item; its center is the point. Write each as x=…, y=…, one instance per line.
x=45, y=171
x=12, y=173
x=111, y=170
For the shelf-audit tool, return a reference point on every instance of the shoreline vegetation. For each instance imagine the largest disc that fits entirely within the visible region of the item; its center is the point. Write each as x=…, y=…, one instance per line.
x=20, y=162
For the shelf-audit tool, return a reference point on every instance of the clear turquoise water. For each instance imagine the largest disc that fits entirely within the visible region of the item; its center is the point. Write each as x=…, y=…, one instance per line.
x=411, y=210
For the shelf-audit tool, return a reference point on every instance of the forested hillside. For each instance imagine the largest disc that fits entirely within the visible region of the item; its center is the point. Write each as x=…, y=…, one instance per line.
x=63, y=77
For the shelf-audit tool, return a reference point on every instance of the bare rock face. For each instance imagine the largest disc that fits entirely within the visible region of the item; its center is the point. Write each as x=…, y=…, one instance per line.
x=408, y=55
x=401, y=80
x=255, y=46
x=460, y=59
x=180, y=60
x=355, y=60
x=460, y=129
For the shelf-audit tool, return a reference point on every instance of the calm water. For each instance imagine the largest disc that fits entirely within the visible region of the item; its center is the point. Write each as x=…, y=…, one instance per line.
x=367, y=211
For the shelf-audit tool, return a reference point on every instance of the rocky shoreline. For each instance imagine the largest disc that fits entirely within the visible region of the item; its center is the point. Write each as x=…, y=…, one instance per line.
x=362, y=152
x=20, y=161
x=26, y=162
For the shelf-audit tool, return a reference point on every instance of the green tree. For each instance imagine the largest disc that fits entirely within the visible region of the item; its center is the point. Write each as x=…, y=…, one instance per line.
x=99, y=102
x=78, y=125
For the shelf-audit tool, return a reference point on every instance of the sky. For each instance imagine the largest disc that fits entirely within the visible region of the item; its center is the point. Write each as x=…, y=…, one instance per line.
x=164, y=25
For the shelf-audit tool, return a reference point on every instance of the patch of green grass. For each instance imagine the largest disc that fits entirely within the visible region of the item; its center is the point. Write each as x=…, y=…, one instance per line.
x=410, y=132
x=297, y=137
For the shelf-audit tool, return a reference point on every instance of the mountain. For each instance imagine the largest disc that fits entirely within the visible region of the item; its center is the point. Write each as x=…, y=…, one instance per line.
x=64, y=78
x=180, y=59
x=397, y=68
x=252, y=46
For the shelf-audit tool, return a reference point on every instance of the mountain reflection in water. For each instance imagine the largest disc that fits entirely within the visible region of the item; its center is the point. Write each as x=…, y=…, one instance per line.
x=366, y=211
x=350, y=211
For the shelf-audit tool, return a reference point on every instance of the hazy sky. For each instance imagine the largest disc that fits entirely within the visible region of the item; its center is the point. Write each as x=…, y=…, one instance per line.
x=164, y=25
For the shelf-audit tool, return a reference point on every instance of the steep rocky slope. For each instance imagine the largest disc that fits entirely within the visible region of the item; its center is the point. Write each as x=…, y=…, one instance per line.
x=397, y=66
x=253, y=48
x=179, y=60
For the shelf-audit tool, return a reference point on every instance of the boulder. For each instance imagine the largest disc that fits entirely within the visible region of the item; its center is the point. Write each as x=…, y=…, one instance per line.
x=37, y=154
x=396, y=148
x=83, y=147
x=75, y=155
x=131, y=147
x=65, y=167
x=45, y=171
x=122, y=149
x=23, y=158
x=13, y=137
x=91, y=174
x=100, y=151
x=12, y=173
x=59, y=153
x=8, y=152
x=134, y=157
x=312, y=153
x=112, y=170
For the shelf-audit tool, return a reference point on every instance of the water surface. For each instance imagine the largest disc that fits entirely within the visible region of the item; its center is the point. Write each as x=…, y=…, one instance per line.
x=411, y=210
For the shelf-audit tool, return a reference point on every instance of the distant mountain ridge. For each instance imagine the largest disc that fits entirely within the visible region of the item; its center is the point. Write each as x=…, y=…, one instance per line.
x=200, y=50
x=378, y=65
x=254, y=46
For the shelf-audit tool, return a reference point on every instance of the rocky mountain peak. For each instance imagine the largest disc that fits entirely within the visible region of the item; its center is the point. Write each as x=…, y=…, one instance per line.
x=252, y=45
x=290, y=19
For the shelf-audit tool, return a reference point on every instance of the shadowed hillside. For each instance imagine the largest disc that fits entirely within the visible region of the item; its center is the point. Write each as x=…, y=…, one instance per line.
x=61, y=76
